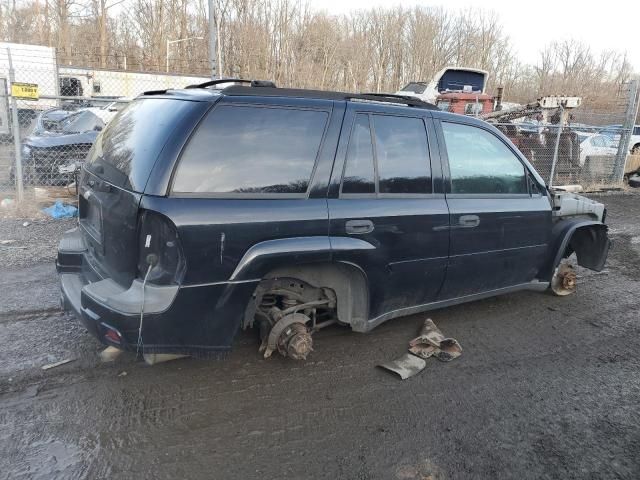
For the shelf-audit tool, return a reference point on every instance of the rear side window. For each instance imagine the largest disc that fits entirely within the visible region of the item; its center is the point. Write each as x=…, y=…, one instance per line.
x=402, y=154
x=400, y=162
x=252, y=150
x=480, y=163
x=359, y=171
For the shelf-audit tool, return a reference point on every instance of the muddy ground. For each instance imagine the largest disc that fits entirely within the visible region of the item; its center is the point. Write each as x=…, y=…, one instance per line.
x=547, y=387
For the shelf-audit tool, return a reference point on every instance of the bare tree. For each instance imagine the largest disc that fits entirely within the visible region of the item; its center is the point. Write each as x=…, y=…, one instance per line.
x=296, y=45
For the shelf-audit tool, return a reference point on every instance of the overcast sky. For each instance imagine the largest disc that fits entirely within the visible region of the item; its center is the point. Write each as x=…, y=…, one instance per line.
x=614, y=24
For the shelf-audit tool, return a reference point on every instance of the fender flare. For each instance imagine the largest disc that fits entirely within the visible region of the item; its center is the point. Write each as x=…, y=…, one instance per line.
x=265, y=256
x=591, y=247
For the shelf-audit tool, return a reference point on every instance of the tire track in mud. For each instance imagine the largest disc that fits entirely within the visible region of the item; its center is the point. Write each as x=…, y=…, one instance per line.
x=546, y=387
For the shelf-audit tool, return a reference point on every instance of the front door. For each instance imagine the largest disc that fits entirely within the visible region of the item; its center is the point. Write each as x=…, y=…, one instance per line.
x=387, y=190
x=500, y=224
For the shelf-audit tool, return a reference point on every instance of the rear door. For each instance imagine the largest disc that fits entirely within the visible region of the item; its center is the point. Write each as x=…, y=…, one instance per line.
x=386, y=189
x=500, y=223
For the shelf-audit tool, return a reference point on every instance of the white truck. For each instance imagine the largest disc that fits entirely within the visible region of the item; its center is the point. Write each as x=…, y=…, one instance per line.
x=36, y=64
x=32, y=64
x=96, y=83
x=449, y=79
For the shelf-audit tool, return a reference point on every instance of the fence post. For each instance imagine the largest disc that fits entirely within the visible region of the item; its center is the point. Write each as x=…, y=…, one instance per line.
x=15, y=124
x=56, y=80
x=627, y=130
x=556, y=148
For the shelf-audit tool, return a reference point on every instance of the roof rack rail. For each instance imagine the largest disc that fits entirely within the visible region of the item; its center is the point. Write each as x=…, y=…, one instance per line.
x=394, y=98
x=329, y=95
x=253, y=83
x=154, y=92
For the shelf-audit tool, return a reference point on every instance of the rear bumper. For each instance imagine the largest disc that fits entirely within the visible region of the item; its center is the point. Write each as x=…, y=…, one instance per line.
x=198, y=320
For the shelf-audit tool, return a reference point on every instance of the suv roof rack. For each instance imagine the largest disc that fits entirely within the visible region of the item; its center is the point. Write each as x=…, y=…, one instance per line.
x=237, y=90
x=253, y=83
x=394, y=98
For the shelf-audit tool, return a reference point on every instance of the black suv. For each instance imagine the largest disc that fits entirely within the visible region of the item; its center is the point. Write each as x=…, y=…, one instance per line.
x=207, y=210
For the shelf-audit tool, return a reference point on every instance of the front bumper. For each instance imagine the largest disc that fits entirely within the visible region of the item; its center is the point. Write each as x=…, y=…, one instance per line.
x=194, y=320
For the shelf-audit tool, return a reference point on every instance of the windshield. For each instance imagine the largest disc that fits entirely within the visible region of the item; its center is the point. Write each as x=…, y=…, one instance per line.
x=127, y=149
x=80, y=122
x=414, y=88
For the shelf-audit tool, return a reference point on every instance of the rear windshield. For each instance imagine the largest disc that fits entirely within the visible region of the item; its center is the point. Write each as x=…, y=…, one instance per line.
x=80, y=122
x=415, y=88
x=127, y=149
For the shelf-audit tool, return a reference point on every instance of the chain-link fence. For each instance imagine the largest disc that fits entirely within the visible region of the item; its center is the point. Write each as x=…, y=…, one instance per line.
x=569, y=140
x=50, y=115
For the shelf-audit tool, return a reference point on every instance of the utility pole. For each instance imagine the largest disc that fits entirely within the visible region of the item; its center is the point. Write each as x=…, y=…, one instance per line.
x=213, y=42
x=556, y=147
x=627, y=130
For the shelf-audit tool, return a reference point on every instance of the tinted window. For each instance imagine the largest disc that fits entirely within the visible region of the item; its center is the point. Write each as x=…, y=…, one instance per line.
x=402, y=154
x=252, y=150
x=126, y=150
x=480, y=163
x=415, y=88
x=359, y=173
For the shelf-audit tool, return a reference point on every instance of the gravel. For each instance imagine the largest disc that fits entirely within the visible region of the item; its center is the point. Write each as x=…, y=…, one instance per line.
x=34, y=243
x=546, y=388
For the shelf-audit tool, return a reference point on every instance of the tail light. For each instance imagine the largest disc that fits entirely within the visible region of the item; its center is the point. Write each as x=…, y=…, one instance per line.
x=159, y=246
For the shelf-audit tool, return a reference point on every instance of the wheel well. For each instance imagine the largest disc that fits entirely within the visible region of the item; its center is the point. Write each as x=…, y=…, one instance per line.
x=591, y=246
x=347, y=281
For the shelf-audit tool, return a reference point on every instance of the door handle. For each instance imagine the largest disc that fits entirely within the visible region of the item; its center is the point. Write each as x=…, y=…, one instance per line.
x=469, y=221
x=358, y=226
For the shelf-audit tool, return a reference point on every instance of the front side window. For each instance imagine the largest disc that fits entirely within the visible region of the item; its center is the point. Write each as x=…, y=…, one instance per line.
x=252, y=150
x=480, y=163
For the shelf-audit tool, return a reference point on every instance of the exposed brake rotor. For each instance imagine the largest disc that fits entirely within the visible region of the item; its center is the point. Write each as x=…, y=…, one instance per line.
x=564, y=281
x=291, y=337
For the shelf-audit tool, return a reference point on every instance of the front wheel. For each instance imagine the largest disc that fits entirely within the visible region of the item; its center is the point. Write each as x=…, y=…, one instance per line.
x=636, y=149
x=564, y=280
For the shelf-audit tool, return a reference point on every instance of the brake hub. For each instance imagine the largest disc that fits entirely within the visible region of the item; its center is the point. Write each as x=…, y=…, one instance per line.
x=564, y=281
x=291, y=337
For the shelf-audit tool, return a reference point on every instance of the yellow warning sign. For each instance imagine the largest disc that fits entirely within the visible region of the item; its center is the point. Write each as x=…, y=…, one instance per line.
x=24, y=91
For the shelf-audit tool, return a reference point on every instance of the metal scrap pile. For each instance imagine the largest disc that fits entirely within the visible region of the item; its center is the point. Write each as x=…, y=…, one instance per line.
x=429, y=343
